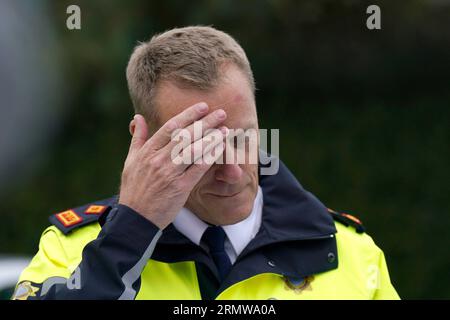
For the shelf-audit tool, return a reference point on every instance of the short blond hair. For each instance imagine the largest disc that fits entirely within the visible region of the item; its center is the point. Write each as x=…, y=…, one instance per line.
x=189, y=56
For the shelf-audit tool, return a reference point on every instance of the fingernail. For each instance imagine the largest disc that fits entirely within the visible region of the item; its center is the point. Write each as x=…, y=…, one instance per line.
x=202, y=107
x=221, y=114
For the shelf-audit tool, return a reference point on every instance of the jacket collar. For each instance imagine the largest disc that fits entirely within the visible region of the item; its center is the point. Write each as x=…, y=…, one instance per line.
x=290, y=212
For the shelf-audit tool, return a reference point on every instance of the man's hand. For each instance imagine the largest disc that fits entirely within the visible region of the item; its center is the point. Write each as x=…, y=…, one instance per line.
x=152, y=184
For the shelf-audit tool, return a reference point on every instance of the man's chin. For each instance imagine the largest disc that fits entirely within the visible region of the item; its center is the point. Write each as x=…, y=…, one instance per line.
x=226, y=209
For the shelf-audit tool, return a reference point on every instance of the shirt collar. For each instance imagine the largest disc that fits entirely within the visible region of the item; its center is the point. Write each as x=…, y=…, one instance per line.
x=190, y=225
x=239, y=234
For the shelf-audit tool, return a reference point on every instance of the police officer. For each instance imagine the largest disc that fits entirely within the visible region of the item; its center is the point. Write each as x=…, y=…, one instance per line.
x=201, y=230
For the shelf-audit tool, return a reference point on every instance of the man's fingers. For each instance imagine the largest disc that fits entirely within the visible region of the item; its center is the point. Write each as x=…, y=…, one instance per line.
x=204, y=149
x=195, y=172
x=197, y=129
x=140, y=133
x=180, y=121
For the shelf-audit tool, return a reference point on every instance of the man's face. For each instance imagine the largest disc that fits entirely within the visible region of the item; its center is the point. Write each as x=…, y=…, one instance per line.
x=226, y=193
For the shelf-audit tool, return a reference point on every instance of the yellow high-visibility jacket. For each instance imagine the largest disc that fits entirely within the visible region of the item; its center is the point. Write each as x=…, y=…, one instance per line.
x=105, y=250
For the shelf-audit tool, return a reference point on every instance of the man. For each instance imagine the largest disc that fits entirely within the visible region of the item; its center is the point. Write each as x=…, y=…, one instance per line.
x=201, y=230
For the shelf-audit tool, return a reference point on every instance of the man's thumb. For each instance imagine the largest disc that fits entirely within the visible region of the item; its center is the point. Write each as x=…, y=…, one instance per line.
x=138, y=126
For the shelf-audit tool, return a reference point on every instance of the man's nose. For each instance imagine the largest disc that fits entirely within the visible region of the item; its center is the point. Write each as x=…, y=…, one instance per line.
x=229, y=173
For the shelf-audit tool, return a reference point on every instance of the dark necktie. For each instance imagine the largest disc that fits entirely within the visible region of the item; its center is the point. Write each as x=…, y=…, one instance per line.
x=214, y=238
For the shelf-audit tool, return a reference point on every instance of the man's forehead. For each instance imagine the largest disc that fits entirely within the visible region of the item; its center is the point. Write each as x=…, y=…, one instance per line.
x=238, y=104
x=173, y=106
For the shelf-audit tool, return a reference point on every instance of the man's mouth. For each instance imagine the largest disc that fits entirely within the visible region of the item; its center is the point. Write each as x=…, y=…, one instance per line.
x=225, y=195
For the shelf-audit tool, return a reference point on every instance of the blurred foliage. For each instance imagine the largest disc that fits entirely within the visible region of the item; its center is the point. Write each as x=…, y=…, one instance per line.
x=363, y=115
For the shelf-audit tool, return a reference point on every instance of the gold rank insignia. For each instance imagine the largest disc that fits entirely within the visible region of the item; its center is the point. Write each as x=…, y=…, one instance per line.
x=68, y=218
x=298, y=285
x=25, y=290
x=95, y=209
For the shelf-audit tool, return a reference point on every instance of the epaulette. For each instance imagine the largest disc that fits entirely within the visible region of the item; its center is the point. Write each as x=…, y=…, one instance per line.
x=71, y=219
x=348, y=220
